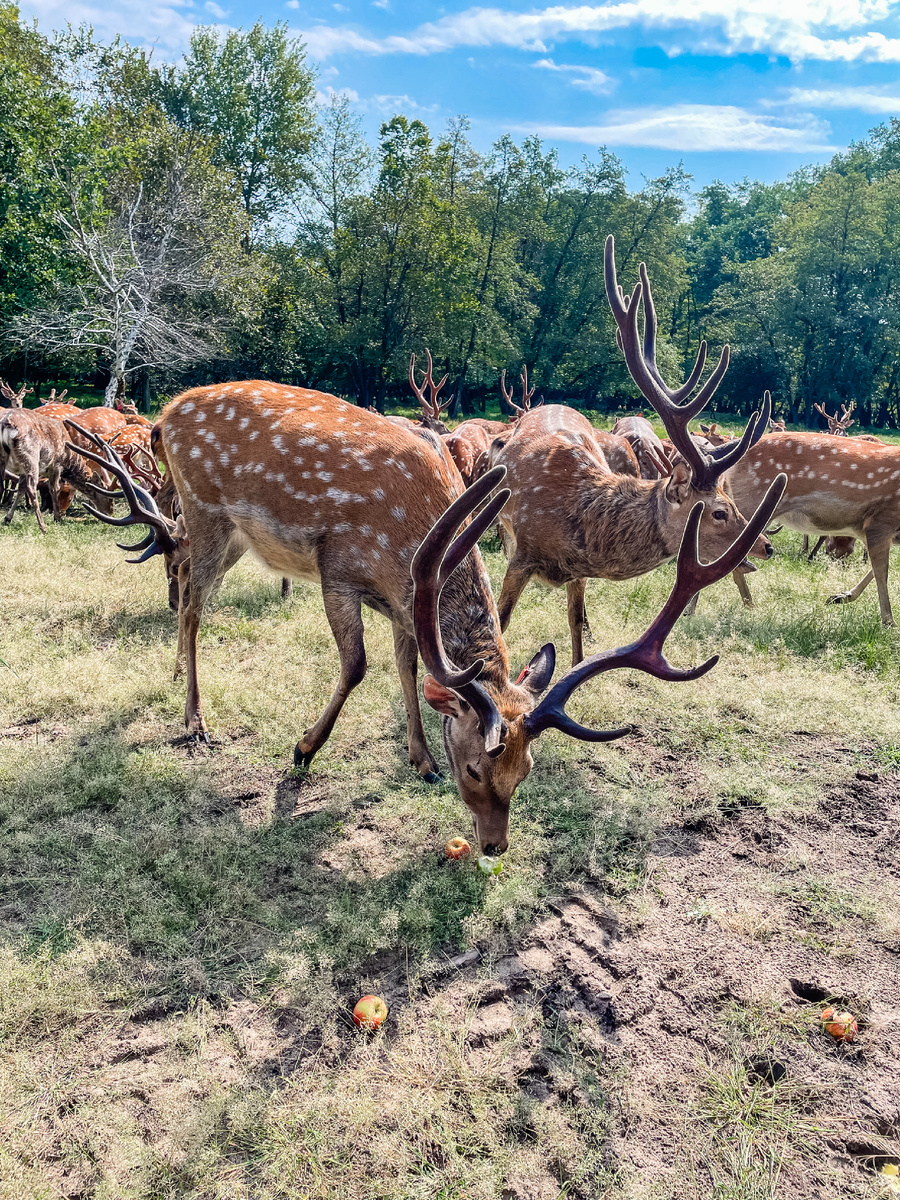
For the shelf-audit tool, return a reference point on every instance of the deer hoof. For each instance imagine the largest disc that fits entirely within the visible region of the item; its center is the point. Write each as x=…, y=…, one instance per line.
x=433, y=777
x=840, y=598
x=200, y=737
x=302, y=758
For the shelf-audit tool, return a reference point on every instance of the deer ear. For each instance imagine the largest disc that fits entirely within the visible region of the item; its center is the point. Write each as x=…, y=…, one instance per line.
x=678, y=488
x=539, y=671
x=443, y=700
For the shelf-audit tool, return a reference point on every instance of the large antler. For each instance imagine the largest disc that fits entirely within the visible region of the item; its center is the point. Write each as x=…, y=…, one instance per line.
x=15, y=398
x=507, y=395
x=674, y=409
x=434, y=562
x=837, y=425
x=143, y=507
x=430, y=406
x=646, y=653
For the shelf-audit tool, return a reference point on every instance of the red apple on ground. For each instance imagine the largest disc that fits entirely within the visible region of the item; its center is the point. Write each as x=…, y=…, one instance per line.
x=370, y=1011
x=457, y=848
x=841, y=1025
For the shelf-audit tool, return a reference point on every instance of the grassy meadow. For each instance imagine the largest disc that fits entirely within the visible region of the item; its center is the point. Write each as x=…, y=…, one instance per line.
x=185, y=931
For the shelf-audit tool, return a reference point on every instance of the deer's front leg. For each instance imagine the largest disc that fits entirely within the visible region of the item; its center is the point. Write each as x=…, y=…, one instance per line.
x=514, y=582
x=578, y=622
x=406, y=653
x=878, y=543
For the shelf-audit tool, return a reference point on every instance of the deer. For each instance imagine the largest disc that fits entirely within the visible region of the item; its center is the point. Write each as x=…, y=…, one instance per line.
x=33, y=446
x=842, y=486
x=652, y=459
x=838, y=425
x=16, y=398
x=572, y=519
x=53, y=398
x=324, y=491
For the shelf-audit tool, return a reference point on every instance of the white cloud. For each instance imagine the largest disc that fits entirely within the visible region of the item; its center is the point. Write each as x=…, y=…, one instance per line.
x=326, y=96
x=381, y=3
x=587, y=78
x=796, y=29
x=157, y=21
x=292, y=4
x=862, y=99
x=215, y=10
x=339, y=7
x=692, y=127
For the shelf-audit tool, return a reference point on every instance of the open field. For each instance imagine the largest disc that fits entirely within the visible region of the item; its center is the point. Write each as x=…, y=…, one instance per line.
x=185, y=931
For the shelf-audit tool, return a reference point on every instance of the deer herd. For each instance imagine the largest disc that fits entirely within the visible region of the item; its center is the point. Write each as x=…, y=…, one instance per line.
x=386, y=512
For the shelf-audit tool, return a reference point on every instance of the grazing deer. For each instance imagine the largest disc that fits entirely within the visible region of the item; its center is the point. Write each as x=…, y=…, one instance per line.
x=571, y=519
x=16, y=399
x=327, y=492
x=33, y=446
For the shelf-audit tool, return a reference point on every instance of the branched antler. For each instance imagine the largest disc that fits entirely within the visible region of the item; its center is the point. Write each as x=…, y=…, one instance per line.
x=431, y=406
x=646, y=653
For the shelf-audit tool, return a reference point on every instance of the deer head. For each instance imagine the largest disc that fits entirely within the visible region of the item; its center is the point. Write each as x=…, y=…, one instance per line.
x=519, y=410
x=16, y=399
x=838, y=425
x=490, y=722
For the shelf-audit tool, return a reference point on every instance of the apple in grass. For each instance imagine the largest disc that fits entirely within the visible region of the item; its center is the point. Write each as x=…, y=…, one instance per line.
x=457, y=847
x=369, y=1012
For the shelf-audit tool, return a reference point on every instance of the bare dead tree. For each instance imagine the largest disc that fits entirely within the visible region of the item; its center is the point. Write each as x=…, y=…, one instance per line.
x=154, y=269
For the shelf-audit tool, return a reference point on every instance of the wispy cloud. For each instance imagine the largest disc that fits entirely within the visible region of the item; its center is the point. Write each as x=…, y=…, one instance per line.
x=214, y=10
x=157, y=21
x=385, y=105
x=862, y=99
x=796, y=29
x=587, y=78
x=292, y=4
x=691, y=127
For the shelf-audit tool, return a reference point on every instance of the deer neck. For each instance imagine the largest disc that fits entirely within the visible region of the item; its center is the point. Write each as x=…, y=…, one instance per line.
x=470, y=626
x=629, y=526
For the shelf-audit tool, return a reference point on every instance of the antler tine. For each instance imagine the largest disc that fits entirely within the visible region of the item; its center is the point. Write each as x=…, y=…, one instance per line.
x=433, y=387
x=526, y=394
x=433, y=563
x=676, y=395
x=419, y=391
x=726, y=455
x=507, y=394
x=646, y=653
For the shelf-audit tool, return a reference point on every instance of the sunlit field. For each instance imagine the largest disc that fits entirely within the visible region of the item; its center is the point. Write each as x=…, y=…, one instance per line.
x=629, y=1010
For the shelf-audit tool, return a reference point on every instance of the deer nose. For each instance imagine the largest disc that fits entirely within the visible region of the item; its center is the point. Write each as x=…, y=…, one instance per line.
x=494, y=849
x=770, y=549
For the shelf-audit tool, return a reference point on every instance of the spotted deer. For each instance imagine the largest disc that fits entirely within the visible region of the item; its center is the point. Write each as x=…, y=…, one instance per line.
x=432, y=409
x=842, y=486
x=326, y=492
x=571, y=519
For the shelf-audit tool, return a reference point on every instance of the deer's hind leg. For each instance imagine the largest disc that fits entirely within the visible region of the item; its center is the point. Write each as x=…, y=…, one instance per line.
x=344, y=612
x=578, y=622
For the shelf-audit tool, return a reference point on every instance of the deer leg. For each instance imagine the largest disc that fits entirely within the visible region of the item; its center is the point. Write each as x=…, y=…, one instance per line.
x=406, y=653
x=53, y=487
x=806, y=543
x=854, y=593
x=878, y=543
x=16, y=492
x=578, y=623
x=344, y=615
x=740, y=582
x=816, y=548
x=514, y=582
x=287, y=588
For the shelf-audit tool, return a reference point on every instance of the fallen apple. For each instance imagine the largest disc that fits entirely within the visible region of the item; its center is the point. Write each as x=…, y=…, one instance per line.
x=370, y=1011
x=457, y=848
x=841, y=1025
x=490, y=866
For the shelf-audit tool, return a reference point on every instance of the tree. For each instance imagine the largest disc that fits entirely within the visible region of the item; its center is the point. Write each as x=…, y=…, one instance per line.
x=156, y=255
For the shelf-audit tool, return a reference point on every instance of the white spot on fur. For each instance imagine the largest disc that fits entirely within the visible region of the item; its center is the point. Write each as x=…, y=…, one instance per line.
x=254, y=435
x=325, y=476
x=398, y=513
x=378, y=493
x=195, y=453
x=243, y=422
x=188, y=406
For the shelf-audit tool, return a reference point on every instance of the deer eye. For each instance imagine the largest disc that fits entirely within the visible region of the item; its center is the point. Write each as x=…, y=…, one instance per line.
x=720, y=514
x=473, y=773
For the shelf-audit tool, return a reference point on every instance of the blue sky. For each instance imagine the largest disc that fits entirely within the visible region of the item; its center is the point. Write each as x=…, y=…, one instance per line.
x=732, y=88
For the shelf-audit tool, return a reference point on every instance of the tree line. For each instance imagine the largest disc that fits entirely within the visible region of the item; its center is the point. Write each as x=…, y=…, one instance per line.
x=165, y=224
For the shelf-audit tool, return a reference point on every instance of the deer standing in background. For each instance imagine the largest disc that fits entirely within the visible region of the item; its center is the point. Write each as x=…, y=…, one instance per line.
x=325, y=491
x=16, y=399
x=432, y=409
x=652, y=460
x=571, y=519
